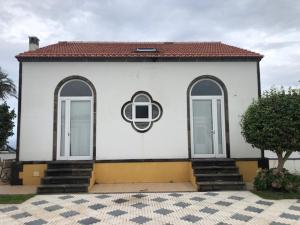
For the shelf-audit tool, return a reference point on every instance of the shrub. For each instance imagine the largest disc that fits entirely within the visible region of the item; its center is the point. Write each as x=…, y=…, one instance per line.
x=6, y=124
x=276, y=181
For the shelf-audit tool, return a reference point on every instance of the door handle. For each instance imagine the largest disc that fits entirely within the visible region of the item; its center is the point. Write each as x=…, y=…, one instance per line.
x=213, y=131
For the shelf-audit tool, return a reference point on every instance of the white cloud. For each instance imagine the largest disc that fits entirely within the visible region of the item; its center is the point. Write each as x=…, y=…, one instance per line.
x=18, y=22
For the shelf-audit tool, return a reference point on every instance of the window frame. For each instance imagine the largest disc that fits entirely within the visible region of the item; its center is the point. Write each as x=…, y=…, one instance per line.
x=71, y=80
x=134, y=120
x=206, y=79
x=148, y=118
x=148, y=104
x=159, y=111
x=214, y=99
x=67, y=130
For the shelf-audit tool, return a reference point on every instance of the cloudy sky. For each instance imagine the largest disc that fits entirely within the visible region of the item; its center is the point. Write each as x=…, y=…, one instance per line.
x=270, y=27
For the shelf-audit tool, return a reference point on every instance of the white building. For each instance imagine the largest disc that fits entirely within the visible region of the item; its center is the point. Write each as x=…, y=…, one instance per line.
x=135, y=109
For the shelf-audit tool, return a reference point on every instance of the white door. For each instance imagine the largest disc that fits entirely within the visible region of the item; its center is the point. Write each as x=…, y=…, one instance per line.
x=75, y=130
x=207, y=126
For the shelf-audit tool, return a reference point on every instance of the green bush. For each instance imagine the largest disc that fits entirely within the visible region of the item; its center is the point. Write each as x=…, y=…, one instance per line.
x=276, y=181
x=6, y=124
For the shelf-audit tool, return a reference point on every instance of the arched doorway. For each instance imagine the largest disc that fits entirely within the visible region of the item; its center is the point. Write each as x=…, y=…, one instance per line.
x=75, y=120
x=207, y=119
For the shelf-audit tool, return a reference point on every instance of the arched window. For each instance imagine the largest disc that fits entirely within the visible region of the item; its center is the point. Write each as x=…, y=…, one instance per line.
x=75, y=117
x=76, y=88
x=207, y=113
x=206, y=87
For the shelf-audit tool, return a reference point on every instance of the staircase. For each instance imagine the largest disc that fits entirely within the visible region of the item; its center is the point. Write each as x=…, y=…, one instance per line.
x=217, y=175
x=66, y=177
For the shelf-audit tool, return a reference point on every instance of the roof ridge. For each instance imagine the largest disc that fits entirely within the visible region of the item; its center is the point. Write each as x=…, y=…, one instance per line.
x=140, y=42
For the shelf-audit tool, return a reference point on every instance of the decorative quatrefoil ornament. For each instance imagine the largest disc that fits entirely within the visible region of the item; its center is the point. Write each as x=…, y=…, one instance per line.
x=141, y=111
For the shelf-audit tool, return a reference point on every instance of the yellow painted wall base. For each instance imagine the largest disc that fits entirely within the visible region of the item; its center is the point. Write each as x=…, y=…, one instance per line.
x=32, y=173
x=247, y=169
x=109, y=173
x=92, y=179
x=137, y=172
x=142, y=172
x=192, y=177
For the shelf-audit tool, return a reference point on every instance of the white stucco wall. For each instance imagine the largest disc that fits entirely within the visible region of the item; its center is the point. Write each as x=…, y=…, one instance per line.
x=7, y=155
x=292, y=164
x=272, y=155
x=116, y=82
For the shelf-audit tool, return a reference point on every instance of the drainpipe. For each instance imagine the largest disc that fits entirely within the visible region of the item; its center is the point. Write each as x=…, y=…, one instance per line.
x=262, y=162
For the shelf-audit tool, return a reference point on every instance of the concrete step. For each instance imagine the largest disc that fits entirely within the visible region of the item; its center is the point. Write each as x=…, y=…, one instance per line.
x=217, y=174
x=219, y=177
x=220, y=185
x=68, y=172
x=213, y=162
x=66, y=177
x=62, y=188
x=70, y=165
x=215, y=169
x=66, y=180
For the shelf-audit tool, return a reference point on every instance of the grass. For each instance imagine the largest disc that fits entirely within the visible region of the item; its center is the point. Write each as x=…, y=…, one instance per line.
x=14, y=199
x=277, y=195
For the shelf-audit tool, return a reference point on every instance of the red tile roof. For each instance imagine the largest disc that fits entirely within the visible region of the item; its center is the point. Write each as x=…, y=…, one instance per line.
x=128, y=49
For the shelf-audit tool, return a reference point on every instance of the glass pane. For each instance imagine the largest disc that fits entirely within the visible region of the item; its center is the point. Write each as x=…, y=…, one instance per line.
x=80, y=119
x=155, y=112
x=219, y=119
x=76, y=88
x=206, y=87
x=128, y=111
x=62, y=127
x=142, y=125
x=142, y=98
x=202, y=127
x=141, y=111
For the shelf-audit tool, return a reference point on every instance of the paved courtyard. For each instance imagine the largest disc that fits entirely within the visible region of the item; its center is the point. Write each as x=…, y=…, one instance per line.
x=209, y=208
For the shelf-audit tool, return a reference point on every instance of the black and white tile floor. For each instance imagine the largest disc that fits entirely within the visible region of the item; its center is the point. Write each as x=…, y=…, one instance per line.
x=209, y=208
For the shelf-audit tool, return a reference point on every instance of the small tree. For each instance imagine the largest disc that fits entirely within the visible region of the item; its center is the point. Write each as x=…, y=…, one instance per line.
x=273, y=123
x=6, y=124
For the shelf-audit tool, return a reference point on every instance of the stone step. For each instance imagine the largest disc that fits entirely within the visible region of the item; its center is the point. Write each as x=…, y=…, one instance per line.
x=215, y=169
x=62, y=188
x=66, y=177
x=219, y=177
x=68, y=172
x=70, y=164
x=213, y=162
x=66, y=180
x=220, y=185
x=217, y=174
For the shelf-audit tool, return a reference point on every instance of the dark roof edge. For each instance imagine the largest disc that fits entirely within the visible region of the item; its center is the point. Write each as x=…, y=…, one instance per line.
x=139, y=59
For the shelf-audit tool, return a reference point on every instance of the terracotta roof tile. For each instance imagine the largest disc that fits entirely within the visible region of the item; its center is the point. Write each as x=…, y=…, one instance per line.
x=129, y=49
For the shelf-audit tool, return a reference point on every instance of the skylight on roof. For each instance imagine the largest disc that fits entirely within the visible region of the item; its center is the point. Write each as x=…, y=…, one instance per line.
x=146, y=50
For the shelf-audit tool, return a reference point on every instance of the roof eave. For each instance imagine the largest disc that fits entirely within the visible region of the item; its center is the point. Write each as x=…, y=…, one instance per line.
x=21, y=58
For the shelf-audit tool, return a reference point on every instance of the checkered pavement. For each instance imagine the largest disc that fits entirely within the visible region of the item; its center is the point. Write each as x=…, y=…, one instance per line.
x=210, y=208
